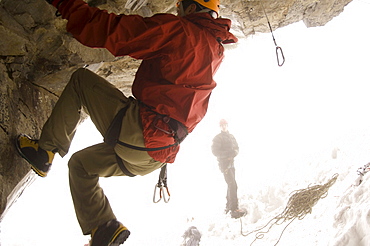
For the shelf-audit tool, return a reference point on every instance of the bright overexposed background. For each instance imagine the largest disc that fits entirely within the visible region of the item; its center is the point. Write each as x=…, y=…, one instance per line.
x=287, y=120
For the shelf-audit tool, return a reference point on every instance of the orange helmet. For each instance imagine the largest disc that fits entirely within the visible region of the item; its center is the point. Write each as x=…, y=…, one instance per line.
x=210, y=4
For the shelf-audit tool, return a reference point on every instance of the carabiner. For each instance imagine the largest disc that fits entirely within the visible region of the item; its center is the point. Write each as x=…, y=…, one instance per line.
x=162, y=194
x=155, y=193
x=165, y=119
x=278, y=51
x=162, y=183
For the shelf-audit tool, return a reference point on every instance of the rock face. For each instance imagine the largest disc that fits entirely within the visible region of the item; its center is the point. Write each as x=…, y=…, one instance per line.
x=37, y=57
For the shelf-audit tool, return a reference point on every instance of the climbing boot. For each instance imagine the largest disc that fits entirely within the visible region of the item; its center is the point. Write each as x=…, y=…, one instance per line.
x=39, y=158
x=237, y=213
x=112, y=233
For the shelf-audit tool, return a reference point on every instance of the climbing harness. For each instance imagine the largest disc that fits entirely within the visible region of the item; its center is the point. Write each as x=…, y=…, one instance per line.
x=299, y=205
x=161, y=187
x=278, y=50
x=177, y=130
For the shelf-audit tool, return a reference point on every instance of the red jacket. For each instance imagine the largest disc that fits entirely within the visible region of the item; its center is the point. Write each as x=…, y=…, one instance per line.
x=180, y=56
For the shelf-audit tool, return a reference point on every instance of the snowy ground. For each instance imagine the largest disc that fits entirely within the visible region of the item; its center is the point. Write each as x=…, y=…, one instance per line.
x=287, y=121
x=44, y=213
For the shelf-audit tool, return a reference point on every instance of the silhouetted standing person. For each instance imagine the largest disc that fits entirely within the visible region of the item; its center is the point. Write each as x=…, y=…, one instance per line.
x=225, y=148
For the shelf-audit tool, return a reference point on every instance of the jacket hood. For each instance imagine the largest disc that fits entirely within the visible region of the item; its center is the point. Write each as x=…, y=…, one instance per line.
x=219, y=27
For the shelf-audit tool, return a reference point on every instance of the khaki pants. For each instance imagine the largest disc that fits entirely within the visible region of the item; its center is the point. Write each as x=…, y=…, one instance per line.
x=101, y=100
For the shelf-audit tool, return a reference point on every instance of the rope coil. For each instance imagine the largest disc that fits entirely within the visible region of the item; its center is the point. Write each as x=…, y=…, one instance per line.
x=299, y=205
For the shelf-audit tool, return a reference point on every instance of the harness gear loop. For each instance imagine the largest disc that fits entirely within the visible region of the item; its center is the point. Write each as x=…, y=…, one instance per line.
x=160, y=186
x=278, y=50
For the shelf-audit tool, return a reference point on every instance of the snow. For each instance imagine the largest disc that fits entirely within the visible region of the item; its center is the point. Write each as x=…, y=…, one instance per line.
x=297, y=125
x=44, y=213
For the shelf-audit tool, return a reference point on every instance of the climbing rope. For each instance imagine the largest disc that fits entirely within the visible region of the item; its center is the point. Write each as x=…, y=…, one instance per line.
x=299, y=205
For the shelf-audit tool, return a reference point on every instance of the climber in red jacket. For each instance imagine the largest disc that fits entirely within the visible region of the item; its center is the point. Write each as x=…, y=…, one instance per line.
x=180, y=55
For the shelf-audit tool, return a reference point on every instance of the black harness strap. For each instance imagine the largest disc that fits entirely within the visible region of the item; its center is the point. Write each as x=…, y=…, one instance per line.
x=143, y=148
x=112, y=134
x=123, y=167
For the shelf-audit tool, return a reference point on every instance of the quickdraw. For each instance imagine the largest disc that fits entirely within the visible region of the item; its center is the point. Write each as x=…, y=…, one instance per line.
x=161, y=187
x=278, y=49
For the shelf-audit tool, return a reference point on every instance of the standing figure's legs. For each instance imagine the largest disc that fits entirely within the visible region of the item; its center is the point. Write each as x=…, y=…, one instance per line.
x=232, y=194
x=232, y=189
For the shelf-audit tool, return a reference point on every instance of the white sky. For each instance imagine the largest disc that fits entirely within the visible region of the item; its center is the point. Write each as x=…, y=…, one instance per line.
x=276, y=113
x=321, y=90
